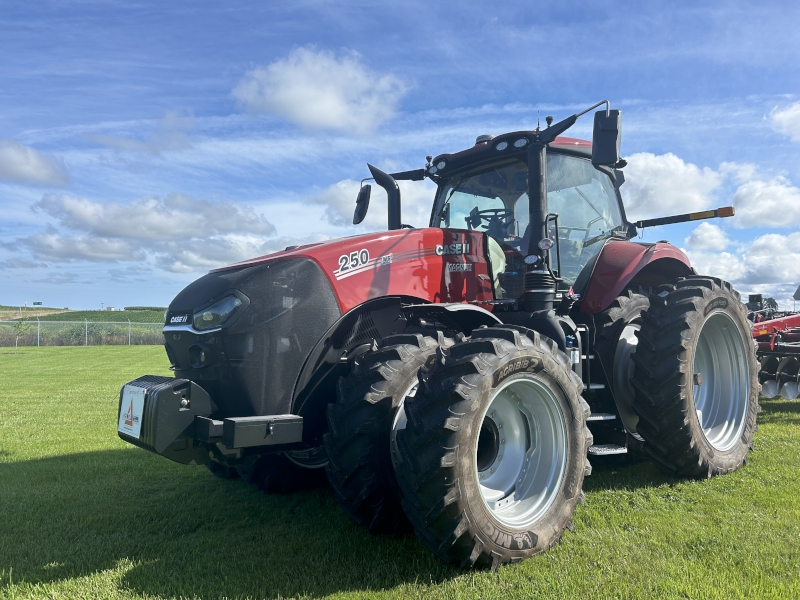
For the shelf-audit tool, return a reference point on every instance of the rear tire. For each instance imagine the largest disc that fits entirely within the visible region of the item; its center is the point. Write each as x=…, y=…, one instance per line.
x=360, y=424
x=616, y=343
x=495, y=417
x=696, y=379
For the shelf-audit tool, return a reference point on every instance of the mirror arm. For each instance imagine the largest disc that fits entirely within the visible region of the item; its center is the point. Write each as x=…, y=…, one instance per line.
x=415, y=175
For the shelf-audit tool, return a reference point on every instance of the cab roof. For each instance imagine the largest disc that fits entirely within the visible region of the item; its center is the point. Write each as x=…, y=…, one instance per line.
x=488, y=150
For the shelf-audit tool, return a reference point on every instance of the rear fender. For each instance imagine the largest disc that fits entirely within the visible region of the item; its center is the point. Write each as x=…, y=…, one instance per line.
x=622, y=262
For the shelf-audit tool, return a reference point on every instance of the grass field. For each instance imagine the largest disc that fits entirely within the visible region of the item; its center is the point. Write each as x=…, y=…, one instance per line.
x=85, y=515
x=102, y=316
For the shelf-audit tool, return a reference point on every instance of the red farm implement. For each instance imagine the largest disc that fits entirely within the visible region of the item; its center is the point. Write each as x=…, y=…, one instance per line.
x=777, y=335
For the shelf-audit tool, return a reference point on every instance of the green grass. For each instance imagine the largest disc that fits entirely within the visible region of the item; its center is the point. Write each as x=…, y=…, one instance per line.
x=84, y=515
x=121, y=316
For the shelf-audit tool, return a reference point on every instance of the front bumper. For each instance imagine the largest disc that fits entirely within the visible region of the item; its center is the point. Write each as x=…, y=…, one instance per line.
x=170, y=417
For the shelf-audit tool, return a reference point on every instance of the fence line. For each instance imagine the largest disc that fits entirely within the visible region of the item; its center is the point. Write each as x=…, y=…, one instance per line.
x=79, y=333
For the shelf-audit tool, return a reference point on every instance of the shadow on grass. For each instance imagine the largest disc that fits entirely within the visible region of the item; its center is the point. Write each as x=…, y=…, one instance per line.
x=780, y=412
x=180, y=531
x=170, y=530
x=633, y=472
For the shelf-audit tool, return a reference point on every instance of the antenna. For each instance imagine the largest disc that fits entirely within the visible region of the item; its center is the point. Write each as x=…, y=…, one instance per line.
x=537, y=121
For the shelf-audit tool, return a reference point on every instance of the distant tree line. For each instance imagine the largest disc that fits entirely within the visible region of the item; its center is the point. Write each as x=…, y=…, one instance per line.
x=161, y=308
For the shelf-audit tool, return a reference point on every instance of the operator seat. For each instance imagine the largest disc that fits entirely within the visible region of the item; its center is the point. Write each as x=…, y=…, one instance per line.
x=497, y=261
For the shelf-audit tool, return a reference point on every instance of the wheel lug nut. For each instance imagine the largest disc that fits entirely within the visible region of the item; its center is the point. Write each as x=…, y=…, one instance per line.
x=698, y=378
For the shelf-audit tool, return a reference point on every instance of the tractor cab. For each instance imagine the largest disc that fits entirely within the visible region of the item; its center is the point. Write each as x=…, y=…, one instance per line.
x=491, y=195
x=546, y=203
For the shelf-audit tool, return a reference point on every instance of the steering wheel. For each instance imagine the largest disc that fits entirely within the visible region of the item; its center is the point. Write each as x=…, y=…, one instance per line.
x=496, y=217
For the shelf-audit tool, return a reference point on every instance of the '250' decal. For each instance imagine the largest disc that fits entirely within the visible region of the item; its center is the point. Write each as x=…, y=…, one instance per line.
x=353, y=260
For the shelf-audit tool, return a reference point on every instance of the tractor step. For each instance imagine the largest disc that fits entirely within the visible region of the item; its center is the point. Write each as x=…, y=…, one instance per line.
x=594, y=386
x=607, y=449
x=601, y=417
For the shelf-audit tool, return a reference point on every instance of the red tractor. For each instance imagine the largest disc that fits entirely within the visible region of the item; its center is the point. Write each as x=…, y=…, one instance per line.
x=455, y=378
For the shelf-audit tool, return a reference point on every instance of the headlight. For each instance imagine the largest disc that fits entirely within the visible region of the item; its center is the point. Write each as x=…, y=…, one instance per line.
x=216, y=314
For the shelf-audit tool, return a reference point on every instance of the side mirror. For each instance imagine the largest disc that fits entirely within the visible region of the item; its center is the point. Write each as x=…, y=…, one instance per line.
x=606, y=137
x=362, y=204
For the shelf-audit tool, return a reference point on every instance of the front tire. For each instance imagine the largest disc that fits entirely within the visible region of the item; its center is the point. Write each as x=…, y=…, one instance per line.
x=696, y=379
x=359, y=441
x=494, y=452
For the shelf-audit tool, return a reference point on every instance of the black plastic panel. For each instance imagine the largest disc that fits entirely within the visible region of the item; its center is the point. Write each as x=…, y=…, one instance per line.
x=252, y=365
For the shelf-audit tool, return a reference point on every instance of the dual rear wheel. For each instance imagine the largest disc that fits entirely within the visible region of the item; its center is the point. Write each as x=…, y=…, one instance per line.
x=486, y=448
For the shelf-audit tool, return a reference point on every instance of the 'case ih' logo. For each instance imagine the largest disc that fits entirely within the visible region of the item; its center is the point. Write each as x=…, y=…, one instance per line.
x=179, y=319
x=452, y=249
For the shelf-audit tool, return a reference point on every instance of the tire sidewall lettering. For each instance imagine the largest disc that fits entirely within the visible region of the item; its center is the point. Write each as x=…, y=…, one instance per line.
x=526, y=364
x=719, y=303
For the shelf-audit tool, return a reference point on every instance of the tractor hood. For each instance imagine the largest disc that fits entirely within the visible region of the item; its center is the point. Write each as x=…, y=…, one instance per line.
x=243, y=332
x=404, y=262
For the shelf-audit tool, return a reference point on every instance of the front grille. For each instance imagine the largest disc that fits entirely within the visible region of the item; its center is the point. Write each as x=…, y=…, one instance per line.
x=258, y=358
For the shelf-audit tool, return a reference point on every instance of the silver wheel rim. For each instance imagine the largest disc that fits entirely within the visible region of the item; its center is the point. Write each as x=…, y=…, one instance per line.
x=311, y=458
x=521, y=452
x=623, y=371
x=399, y=423
x=721, y=381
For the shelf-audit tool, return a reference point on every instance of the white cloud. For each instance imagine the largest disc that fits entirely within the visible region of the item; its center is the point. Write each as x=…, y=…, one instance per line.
x=23, y=164
x=318, y=90
x=707, y=237
x=787, y=121
x=725, y=265
x=171, y=135
x=772, y=203
x=152, y=218
x=53, y=246
x=770, y=265
x=661, y=185
x=179, y=233
x=339, y=200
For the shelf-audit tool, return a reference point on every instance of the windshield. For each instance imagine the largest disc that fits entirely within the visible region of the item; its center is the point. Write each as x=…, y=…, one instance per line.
x=493, y=198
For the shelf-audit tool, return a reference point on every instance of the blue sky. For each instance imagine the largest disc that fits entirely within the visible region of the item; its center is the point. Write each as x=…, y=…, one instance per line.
x=143, y=143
